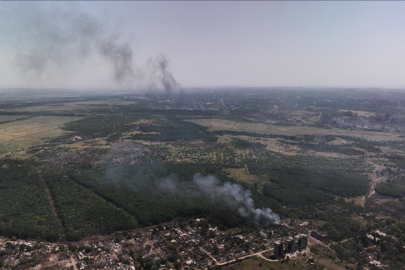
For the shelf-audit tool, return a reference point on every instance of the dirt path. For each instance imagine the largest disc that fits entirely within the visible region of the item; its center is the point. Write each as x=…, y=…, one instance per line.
x=374, y=180
x=209, y=255
x=222, y=101
x=73, y=262
x=257, y=254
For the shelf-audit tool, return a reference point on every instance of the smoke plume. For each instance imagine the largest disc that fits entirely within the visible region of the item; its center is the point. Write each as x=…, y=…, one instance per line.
x=159, y=73
x=150, y=178
x=228, y=194
x=54, y=42
x=120, y=55
x=166, y=77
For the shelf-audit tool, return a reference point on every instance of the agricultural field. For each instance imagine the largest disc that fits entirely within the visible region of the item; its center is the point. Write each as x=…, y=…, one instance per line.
x=9, y=118
x=271, y=129
x=32, y=131
x=102, y=164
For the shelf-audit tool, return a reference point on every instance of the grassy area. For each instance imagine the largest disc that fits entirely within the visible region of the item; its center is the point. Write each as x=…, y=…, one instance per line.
x=32, y=131
x=268, y=129
x=72, y=106
x=7, y=118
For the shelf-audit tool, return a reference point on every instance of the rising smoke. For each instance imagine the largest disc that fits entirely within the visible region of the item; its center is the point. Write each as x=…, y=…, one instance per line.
x=54, y=40
x=149, y=178
x=227, y=194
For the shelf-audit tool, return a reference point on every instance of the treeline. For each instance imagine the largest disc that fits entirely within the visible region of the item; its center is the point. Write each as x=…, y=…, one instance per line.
x=15, y=120
x=324, y=147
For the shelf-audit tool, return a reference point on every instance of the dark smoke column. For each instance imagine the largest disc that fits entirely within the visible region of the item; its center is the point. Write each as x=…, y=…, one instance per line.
x=166, y=78
x=120, y=55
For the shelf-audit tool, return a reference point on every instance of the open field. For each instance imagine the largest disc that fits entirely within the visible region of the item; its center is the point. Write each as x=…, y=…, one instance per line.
x=7, y=118
x=221, y=124
x=71, y=106
x=12, y=131
x=32, y=131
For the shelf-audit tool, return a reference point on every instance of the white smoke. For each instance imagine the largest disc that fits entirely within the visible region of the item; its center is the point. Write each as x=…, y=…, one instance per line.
x=227, y=194
x=128, y=153
x=233, y=195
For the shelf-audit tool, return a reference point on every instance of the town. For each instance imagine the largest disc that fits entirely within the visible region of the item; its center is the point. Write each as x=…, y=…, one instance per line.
x=185, y=244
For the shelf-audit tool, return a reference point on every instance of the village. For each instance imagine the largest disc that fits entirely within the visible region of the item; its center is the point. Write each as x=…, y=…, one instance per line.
x=174, y=245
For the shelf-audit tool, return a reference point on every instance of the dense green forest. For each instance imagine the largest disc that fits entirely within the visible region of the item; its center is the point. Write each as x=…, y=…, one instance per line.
x=25, y=211
x=82, y=212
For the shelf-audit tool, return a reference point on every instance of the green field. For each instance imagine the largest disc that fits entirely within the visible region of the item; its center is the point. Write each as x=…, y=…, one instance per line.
x=8, y=118
x=271, y=129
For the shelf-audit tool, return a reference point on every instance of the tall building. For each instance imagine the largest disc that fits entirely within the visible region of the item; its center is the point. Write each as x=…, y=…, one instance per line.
x=290, y=245
x=278, y=249
x=297, y=243
x=303, y=241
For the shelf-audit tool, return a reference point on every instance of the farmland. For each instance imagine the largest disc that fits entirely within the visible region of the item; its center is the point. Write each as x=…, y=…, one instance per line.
x=32, y=131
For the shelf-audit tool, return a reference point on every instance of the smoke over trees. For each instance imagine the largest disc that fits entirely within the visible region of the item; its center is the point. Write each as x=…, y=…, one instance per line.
x=227, y=194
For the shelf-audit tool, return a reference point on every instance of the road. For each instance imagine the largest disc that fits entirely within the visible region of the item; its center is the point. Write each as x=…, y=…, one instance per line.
x=258, y=254
x=73, y=262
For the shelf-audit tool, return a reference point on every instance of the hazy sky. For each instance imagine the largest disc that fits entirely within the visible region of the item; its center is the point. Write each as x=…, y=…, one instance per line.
x=275, y=43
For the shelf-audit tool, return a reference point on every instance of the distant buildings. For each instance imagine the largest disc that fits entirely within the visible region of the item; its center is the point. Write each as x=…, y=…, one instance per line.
x=290, y=245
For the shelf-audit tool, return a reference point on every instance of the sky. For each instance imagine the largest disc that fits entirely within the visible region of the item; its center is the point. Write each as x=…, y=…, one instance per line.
x=134, y=44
